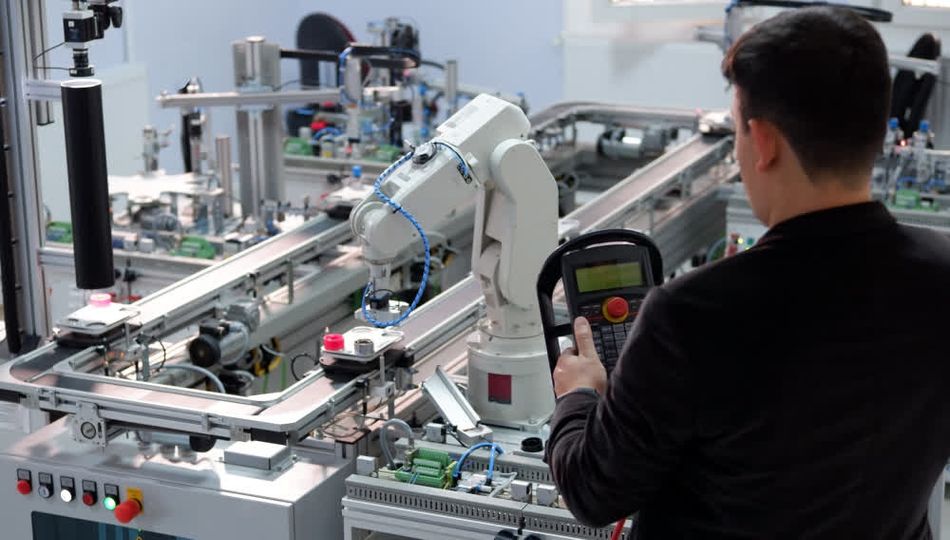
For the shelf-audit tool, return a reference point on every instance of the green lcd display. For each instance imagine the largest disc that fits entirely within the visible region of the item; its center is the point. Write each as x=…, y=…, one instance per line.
x=609, y=276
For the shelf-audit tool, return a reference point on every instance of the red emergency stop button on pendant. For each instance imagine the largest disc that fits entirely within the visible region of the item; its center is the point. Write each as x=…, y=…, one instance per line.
x=24, y=487
x=127, y=511
x=616, y=309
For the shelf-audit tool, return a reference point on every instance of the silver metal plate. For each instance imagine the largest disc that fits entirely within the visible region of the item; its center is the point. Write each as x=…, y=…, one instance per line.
x=97, y=320
x=382, y=340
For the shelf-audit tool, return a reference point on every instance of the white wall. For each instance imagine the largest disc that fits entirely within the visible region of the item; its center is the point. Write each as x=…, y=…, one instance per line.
x=649, y=56
x=650, y=59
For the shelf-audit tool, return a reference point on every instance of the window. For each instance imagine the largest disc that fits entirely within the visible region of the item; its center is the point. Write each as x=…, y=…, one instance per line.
x=927, y=3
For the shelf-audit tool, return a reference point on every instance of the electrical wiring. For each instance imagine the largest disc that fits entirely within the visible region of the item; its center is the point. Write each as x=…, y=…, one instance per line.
x=164, y=354
x=293, y=365
x=432, y=63
x=330, y=130
x=285, y=83
x=462, y=167
x=494, y=448
x=200, y=370
x=504, y=485
x=272, y=352
x=384, y=438
x=618, y=530
x=37, y=57
x=377, y=189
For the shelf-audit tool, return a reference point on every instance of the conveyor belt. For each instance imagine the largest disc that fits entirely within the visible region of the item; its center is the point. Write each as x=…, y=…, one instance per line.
x=200, y=290
x=651, y=181
x=612, y=114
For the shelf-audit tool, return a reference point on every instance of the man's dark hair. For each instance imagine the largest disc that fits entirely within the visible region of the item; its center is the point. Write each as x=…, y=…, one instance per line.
x=821, y=75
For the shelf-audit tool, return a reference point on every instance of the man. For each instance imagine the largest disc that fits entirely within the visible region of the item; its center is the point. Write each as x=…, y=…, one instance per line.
x=800, y=389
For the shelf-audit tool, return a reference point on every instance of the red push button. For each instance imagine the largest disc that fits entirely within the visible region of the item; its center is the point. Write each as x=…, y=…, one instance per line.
x=89, y=498
x=616, y=309
x=127, y=510
x=24, y=487
x=333, y=342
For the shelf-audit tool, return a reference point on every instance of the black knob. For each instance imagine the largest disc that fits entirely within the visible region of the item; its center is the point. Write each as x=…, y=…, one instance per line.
x=532, y=444
x=115, y=16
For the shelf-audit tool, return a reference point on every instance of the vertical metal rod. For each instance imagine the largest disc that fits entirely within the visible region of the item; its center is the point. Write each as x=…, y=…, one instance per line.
x=222, y=151
x=290, y=281
x=146, y=365
x=451, y=85
x=254, y=61
x=8, y=275
x=940, y=105
x=251, y=202
x=36, y=15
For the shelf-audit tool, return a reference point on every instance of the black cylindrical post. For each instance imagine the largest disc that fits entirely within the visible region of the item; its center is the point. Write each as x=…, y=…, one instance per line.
x=88, y=183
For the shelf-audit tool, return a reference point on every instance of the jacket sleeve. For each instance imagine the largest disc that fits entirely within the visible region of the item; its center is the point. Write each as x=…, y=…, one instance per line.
x=610, y=455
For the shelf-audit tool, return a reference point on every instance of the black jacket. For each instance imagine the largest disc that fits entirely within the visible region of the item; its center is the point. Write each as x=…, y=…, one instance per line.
x=800, y=389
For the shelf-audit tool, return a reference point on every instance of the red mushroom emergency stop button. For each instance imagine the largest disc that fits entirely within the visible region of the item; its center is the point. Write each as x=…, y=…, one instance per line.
x=24, y=487
x=616, y=309
x=127, y=510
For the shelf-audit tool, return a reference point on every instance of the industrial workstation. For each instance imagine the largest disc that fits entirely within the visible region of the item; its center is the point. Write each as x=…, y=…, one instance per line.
x=546, y=269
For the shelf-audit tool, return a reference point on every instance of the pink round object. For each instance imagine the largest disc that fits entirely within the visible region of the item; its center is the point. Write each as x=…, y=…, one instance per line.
x=100, y=299
x=333, y=342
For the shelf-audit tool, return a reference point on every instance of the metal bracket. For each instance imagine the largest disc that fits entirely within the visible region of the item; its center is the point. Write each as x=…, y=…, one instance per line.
x=88, y=427
x=42, y=90
x=454, y=408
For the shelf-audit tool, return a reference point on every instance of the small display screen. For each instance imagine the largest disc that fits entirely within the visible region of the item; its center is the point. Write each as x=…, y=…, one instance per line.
x=53, y=527
x=609, y=276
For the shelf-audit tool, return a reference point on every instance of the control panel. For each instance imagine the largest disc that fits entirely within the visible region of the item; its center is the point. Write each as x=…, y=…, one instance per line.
x=606, y=285
x=605, y=275
x=88, y=490
x=129, y=491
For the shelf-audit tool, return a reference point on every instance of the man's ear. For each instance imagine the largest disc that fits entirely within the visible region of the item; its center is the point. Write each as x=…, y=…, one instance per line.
x=765, y=139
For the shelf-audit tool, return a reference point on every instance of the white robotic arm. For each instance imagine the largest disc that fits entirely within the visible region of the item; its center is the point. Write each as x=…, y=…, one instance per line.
x=480, y=153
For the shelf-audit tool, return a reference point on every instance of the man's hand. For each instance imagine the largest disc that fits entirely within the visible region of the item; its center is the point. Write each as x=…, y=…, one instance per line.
x=580, y=367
